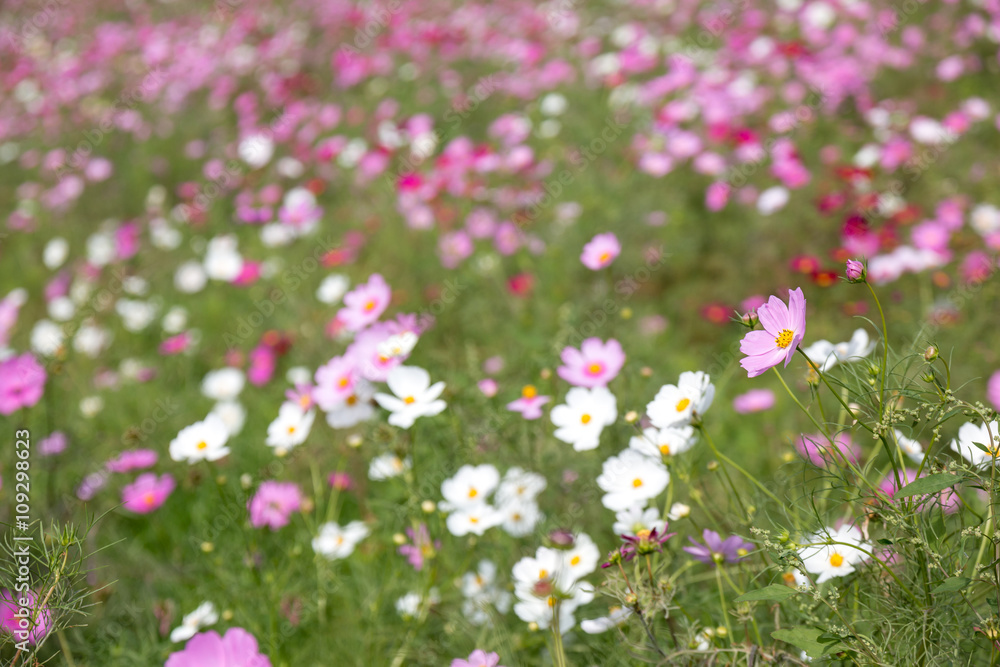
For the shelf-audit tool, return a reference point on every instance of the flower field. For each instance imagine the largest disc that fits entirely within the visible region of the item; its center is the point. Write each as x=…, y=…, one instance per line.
x=485, y=334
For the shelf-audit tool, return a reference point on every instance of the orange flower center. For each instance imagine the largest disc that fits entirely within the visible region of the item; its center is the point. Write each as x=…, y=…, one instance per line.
x=595, y=368
x=636, y=483
x=529, y=391
x=148, y=499
x=473, y=493
x=351, y=400
x=605, y=256
x=585, y=419
x=836, y=560
x=665, y=450
x=409, y=400
x=202, y=445
x=682, y=404
x=370, y=306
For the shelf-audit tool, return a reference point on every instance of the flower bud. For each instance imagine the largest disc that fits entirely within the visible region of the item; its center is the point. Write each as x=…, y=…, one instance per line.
x=931, y=353
x=631, y=417
x=428, y=506
x=855, y=271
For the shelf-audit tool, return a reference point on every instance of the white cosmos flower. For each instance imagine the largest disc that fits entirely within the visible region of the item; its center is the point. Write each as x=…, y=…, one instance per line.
x=475, y=519
x=480, y=591
x=291, y=428
x=202, y=617
x=335, y=542
x=833, y=560
x=579, y=560
x=659, y=442
x=771, y=200
x=175, y=320
x=968, y=434
x=631, y=478
x=519, y=485
x=398, y=346
x=256, y=150
x=136, y=315
x=470, y=486
x=595, y=626
x=415, y=396
x=581, y=419
x=354, y=409
x=222, y=259
x=910, y=447
x=91, y=340
x=223, y=384
x=190, y=277
x=232, y=414
x=46, y=338
x=385, y=466
x=684, y=403
x=826, y=355
x=541, y=580
x=204, y=440
x=631, y=520
x=520, y=517
x=333, y=288
x=55, y=253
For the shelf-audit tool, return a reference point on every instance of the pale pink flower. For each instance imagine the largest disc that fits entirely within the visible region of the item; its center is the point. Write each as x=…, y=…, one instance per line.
x=600, y=251
x=365, y=303
x=595, y=364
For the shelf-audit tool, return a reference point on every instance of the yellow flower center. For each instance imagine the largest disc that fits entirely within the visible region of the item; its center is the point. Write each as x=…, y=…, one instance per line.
x=305, y=401
x=665, y=450
x=291, y=430
x=543, y=573
x=636, y=483
x=473, y=493
x=682, y=404
x=836, y=560
x=370, y=306
x=594, y=369
x=529, y=391
x=605, y=256
x=148, y=499
x=784, y=338
x=642, y=534
x=585, y=419
x=788, y=578
x=344, y=381
x=473, y=519
x=551, y=601
x=202, y=445
x=409, y=400
x=575, y=560
x=516, y=516
x=351, y=400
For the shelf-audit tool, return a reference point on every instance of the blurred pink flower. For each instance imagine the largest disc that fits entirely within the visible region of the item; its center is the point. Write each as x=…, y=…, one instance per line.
x=595, y=364
x=133, y=459
x=530, y=403
x=237, y=649
x=22, y=383
x=478, y=658
x=600, y=251
x=55, y=443
x=13, y=613
x=817, y=449
x=273, y=503
x=755, y=400
x=993, y=390
x=147, y=493
x=488, y=386
x=365, y=303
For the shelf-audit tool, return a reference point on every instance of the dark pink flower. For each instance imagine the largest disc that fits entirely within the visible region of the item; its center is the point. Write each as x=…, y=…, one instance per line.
x=19, y=616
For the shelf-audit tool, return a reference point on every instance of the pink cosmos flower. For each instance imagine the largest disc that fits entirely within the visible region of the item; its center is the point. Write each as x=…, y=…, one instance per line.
x=755, y=400
x=784, y=328
x=817, y=449
x=301, y=394
x=54, y=444
x=595, y=364
x=478, y=658
x=993, y=390
x=147, y=492
x=262, y=362
x=421, y=548
x=855, y=270
x=273, y=503
x=530, y=404
x=453, y=248
x=488, y=386
x=176, y=344
x=947, y=498
x=335, y=381
x=365, y=303
x=133, y=459
x=600, y=251
x=22, y=383
x=237, y=649
x=9, y=308
x=12, y=612
x=340, y=481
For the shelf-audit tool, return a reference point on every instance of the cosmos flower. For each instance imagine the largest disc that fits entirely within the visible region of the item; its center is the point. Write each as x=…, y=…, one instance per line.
x=595, y=364
x=147, y=493
x=716, y=551
x=365, y=303
x=784, y=328
x=201, y=441
x=415, y=396
x=530, y=403
x=273, y=504
x=600, y=251
x=237, y=648
x=583, y=417
x=22, y=383
x=202, y=617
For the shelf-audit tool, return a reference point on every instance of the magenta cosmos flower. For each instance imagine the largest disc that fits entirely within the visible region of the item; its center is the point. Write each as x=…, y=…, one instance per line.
x=479, y=658
x=17, y=618
x=530, y=404
x=716, y=550
x=273, y=503
x=147, y=492
x=784, y=328
x=22, y=382
x=365, y=303
x=595, y=364
x=600, y=251
x=237, y=649
x=755, y=400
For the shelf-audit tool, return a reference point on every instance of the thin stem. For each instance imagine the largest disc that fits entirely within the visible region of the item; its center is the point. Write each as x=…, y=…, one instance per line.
x=722, y=604
x=725, y=471
x=885, y=351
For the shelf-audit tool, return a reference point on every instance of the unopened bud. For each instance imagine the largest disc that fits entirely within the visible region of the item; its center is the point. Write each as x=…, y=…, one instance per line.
x=631, y=416
x=931, y=353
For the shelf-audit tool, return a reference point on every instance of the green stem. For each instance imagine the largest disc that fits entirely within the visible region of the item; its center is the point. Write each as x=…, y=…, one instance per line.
x=725, y=471
x=722, y=604
x=885, y=352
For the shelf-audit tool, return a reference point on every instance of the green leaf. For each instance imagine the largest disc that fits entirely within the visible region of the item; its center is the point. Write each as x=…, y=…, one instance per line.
x=952, y=584
x=774, y=592
x=929, y=484
x=802, y=637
